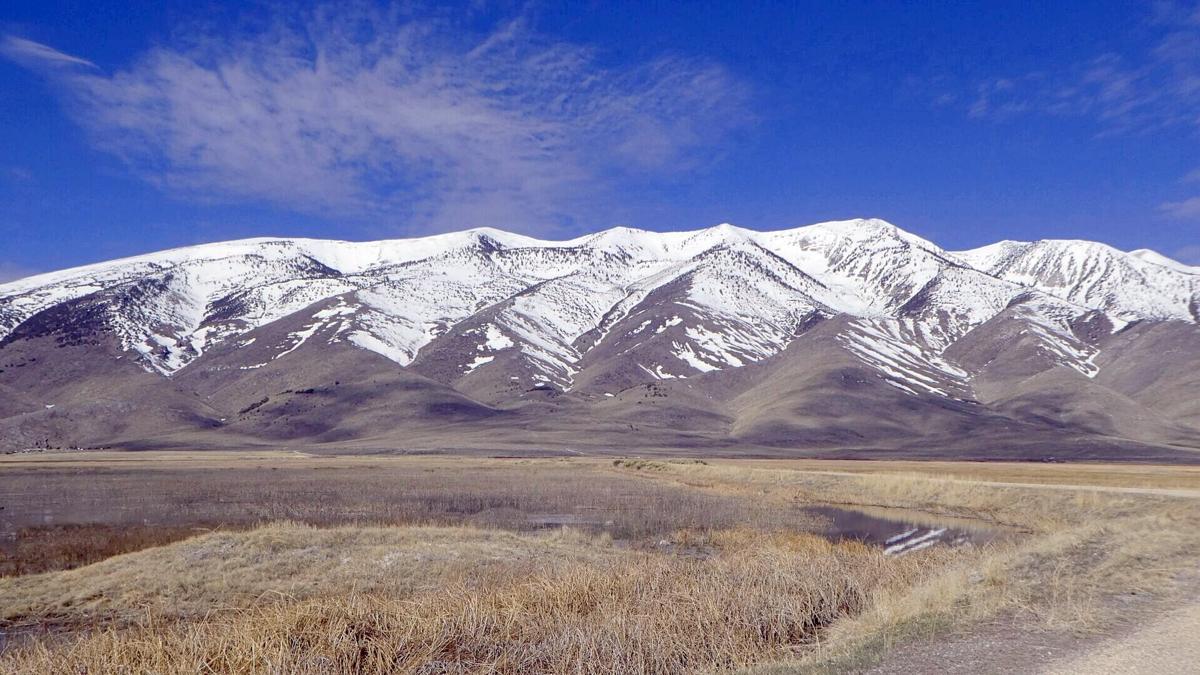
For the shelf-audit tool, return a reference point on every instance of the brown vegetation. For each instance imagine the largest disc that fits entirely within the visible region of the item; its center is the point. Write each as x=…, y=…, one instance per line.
x=60, y=547
x=668, y=567
x=757, y=597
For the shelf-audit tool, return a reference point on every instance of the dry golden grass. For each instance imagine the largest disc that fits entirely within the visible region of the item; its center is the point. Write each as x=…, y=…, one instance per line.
x=1079, y=549
x=293, y=598
x=283, y=561
x=600, y=610
x=1026, y=507
x=1159, y=476
x=1060, y=581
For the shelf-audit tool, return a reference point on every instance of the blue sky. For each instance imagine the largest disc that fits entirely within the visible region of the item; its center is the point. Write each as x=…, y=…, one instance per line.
x=124, y=130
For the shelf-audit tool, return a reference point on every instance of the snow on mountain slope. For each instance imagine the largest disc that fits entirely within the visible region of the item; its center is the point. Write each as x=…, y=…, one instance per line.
x=688, y=303
x=1050, y=321
x=167, y=309
x=1126, y=286
x=1163, y=261
x=896, y=349
x=234, y=265
x=749, y=303
x=872, y=267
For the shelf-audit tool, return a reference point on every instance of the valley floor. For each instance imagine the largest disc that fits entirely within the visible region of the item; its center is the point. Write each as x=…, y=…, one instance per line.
x=281, y=561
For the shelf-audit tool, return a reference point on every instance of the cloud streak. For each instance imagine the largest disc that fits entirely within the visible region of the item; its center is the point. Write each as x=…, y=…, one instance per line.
x=1123, y=93
x=1141, y=92
x=368, y=114
x=1187, y=209
x=36, y=55
x=1147, y=89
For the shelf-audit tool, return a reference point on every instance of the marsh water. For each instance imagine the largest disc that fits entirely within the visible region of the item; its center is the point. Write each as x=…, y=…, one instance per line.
x=900, y=531
x=93, y=508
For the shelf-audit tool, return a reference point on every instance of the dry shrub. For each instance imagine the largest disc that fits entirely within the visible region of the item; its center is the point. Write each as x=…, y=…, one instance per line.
x=757, y=598
x=284, y=560
x=1072, y=550
x=707, y=597
x=522, y=495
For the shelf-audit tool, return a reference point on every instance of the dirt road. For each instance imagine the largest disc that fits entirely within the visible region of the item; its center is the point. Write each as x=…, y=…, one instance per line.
x=1112, y=489
x=1165, y=646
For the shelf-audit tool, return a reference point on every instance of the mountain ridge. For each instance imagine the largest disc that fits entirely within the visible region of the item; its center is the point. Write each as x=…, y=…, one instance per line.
x=513, y=323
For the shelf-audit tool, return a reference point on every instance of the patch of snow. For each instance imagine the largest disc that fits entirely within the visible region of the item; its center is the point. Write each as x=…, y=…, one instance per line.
x=479, y=361
x=322, y=319
x=673, y=321
x=685, y=353
x=496, y=339
x=370, y=342
x=889, y=347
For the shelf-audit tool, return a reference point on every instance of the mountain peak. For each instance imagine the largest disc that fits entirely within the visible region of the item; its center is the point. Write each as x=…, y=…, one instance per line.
x=1128, y=286
x=1156, y=258
x=724, y=233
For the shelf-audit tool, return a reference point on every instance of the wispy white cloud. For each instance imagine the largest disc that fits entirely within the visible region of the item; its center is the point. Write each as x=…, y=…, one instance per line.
x=362, y=112
x=37, y=55
x=1187, y=209
x=1139, y=92
x=1154, y=86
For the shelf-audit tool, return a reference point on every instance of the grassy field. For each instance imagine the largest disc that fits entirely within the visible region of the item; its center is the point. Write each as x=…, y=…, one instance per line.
x=279, y=562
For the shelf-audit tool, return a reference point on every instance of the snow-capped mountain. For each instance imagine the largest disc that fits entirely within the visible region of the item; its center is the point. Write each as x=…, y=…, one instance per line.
x=1126, y=286
x=503, y=324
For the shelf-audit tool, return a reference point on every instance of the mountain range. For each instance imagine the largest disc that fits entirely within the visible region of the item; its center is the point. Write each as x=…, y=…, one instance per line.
x=849, y=338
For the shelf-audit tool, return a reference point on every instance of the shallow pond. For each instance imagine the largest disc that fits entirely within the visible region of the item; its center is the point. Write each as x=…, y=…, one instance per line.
x=900, y=531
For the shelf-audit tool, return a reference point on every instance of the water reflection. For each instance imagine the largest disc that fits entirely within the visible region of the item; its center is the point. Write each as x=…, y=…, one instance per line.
x=898, y=531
